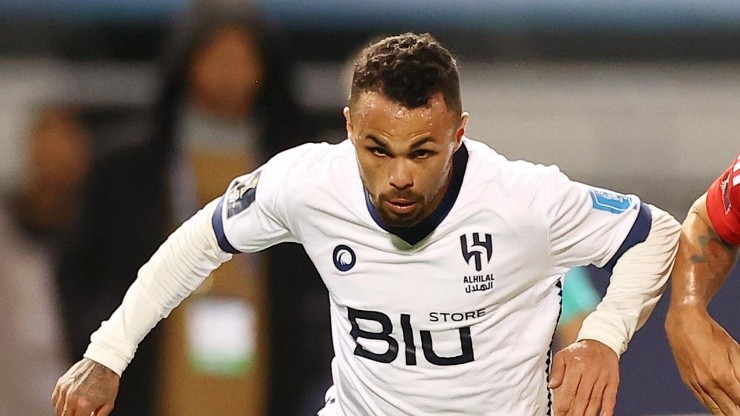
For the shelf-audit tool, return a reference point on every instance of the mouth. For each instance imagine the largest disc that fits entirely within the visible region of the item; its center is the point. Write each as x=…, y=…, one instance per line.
x=400, y=206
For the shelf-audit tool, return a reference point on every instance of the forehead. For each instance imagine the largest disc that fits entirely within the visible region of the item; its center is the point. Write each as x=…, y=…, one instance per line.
x=375, y=110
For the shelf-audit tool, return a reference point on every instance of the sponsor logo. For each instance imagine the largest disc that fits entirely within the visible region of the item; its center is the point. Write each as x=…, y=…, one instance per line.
x=381, y=332
x=344, y=258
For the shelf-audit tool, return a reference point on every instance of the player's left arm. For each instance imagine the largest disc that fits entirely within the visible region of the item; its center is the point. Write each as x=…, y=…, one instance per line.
x=638, y=280
x=587, y=372
x=638, y=243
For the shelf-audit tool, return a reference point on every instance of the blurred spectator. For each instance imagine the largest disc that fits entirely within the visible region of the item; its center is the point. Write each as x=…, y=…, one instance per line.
x=579, y=299
x=226, y=104
x=121, y=224
x=222, y=104
x=35, y=222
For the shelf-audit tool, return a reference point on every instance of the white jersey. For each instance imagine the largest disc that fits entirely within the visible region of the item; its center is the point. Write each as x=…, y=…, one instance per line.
x=455, y=315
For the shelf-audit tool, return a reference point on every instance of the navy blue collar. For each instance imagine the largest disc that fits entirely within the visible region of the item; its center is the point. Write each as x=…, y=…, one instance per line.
x=418, y=232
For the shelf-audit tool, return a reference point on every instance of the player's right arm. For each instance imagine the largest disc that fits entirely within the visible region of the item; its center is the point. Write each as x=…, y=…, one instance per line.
x=248, y=218
x=707, y=357
x=175, y=270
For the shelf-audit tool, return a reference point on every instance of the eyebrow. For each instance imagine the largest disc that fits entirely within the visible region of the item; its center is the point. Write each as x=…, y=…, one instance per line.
x=414, y=145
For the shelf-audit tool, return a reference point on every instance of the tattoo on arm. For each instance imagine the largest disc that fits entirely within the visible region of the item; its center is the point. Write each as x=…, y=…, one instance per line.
x=704, y=241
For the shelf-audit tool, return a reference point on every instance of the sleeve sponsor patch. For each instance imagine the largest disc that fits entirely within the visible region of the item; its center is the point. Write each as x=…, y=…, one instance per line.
x=242, y=194
x=610, y=201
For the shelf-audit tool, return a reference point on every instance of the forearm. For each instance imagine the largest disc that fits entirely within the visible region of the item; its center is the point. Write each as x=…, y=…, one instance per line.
x=703, y=262
x=177, y=268
x=637, y=283
x=706, y=355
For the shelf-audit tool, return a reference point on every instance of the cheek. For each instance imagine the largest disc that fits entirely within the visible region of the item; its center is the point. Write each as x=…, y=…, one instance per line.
x=368, y=170
x=374, y=173
x=434, y=176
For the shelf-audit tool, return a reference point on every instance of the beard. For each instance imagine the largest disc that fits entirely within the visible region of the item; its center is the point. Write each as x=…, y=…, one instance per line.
x=393, y=218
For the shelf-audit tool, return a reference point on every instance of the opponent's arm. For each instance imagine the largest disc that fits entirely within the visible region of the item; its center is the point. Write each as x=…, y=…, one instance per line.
x=707, y=356
x=177, y=268
x=586, y=373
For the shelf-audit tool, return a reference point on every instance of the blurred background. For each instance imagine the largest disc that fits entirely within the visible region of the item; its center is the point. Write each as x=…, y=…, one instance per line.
x=119, y=119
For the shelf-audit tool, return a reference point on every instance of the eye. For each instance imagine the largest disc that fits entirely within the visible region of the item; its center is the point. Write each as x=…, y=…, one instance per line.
x=421, y=154
x=378, y=151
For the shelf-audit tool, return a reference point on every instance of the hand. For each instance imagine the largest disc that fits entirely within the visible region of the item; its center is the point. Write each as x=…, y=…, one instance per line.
x=88, y=388
x=585, y=377
x=707, y=358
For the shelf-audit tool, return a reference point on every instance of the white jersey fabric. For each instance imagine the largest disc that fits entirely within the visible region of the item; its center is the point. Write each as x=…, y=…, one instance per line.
x=452, y=316
x=455, y=315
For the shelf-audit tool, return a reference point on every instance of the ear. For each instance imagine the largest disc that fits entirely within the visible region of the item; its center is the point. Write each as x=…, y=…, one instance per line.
x=461, y=129
x=348, y=124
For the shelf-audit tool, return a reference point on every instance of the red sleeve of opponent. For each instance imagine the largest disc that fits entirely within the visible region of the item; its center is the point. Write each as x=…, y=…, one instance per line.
x=723, y=204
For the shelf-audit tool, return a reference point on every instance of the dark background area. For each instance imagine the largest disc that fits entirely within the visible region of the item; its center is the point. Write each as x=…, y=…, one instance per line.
x=328, y=30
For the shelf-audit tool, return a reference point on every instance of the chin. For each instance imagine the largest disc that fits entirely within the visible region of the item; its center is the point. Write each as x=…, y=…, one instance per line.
x=397, y=221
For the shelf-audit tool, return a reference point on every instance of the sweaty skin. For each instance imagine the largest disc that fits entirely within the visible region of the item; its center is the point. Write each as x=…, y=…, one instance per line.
x=707, y=357
x=405, y=155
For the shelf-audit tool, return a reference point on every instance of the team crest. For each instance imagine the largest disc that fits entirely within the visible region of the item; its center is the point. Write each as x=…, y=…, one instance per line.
x=242, y=194
x=476, y=248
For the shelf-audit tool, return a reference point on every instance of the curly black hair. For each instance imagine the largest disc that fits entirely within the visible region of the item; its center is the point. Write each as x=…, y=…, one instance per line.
x=409, y=69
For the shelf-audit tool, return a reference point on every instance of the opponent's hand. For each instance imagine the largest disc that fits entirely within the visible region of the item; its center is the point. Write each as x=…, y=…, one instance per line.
x=585, y=377
x=88, y=388
x=707, y=358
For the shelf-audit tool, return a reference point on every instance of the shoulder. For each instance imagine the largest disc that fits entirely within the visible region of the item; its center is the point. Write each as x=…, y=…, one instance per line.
x=724, y=192
x=723, y=203
x=307, y=161
x=731, y=183
x=307, y=154
x=511, y=176
x=304, y=169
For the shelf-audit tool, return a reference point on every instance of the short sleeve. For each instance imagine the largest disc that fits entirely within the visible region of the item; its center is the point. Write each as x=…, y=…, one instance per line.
x=589, y=225
x=252, y=214
x=723, y=204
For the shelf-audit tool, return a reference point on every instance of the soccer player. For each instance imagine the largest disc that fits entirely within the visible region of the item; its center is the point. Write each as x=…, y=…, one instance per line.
x=708, y=358
x=443, y=260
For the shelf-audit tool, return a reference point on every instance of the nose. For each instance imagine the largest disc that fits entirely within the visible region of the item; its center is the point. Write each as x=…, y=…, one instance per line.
x=401, y=176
